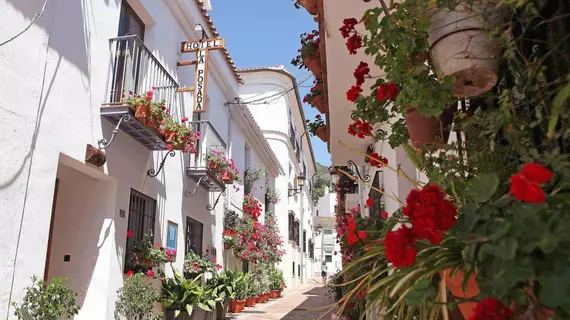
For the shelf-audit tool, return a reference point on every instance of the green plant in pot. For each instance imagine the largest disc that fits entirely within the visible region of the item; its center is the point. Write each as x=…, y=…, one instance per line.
x=180, y=295
x=308, y=56
x=318, y=128
x=197, y=263
x=136, y=298
x=225, y=284
x=53, y=301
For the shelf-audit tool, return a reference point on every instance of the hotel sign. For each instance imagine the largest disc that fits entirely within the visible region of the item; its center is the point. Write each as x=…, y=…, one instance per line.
x=201, y=47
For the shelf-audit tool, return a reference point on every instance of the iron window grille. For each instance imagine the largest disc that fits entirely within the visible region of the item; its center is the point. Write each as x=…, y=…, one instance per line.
x=194, y=234
x=142, y=219
x=304, y=241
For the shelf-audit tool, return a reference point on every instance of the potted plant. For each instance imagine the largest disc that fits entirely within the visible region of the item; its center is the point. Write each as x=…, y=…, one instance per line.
x=272, y=196
x=309, y=55
x=229, y=237
x=241, y=294
x=44, y=301
x=225, y=284
x=135, y=300
x=318, y=128
x=197, y=263
x=216, y=161
x=141, y=104
x=309, y=5
x=147, y=255
x=231, y=174
x=180, y=296
x=316, y=97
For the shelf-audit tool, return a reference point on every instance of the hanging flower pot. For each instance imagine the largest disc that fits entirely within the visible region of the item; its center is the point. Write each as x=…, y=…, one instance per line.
x=310, y=5
x=455, y=285
x=313, y=63
x=425, y=130
x=142, y=113
x=321, y=132
x=319, y=103
x=461, y=46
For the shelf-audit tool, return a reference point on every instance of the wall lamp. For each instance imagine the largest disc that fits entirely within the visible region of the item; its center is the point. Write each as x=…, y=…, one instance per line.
x=198, y=28
x=300, y=183
x=317, y=231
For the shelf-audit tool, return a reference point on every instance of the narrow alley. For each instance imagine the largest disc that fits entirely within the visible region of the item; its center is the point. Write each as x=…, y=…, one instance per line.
x=310, y=302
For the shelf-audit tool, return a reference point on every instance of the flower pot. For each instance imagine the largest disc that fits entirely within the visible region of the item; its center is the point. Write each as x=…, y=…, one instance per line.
x=240, y=305
x=258, y=299
x=321, y=132
x=314, y=64
x=183, y=315
x=424, y=131
x=142, y=113
x=169, y=136
x=265, y=297
x=222, y=309
x=232, y=306
x=309, y=5
x=249, y=302
x=226, y=178
x=319, y=103
x=461, y=46
x=456, y=288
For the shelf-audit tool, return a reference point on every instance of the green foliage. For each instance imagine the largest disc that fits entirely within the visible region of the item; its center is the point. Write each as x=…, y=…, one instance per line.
x=179, y=293
x=197, y=263
x=251, y=176
x=51, y=301
x=135, y=299
x=227, y=283
x=321, y=180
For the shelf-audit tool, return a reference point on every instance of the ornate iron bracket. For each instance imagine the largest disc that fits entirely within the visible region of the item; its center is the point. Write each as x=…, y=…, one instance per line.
x=188, y=193
x=152, y=173
x=209, y=207
x=103, y=143
x=353, y=165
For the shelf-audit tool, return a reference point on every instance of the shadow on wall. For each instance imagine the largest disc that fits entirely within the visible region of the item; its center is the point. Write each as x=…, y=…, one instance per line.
x=68, y=26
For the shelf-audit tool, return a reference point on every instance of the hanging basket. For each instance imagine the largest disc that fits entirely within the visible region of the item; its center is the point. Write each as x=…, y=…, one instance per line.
x=321, y=132
x=319, y=103
x=309, y=5
x=461, y=46
x=314, y=64
x=426, y=130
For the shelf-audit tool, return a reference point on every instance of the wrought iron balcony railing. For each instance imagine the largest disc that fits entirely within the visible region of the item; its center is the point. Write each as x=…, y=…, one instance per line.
x=198, y=169
x=135, y=70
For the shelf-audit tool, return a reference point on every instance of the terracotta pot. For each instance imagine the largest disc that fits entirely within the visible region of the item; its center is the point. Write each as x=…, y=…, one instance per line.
x=265, y=297
x=142, y=113
x=319, y=103
x=424, y=131
x=455, y=287
x=232, y=306
x=310, y=5
x=240, y=305
x=258, y=299
x=461, y=46
x=226, y=178
x=321, y=132
x=248, y=302
x=169, y=136
x=314, y=64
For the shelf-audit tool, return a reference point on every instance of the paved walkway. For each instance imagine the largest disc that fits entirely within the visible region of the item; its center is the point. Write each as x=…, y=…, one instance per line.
x=305, y=303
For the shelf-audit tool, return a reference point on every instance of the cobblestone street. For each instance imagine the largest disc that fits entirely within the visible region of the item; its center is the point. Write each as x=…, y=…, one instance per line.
x=311, y=302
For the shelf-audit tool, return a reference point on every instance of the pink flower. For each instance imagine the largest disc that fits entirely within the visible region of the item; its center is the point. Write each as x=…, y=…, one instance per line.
x=384, y=215
x=214, y=259
x=157, y=245
x=219, y=266
x=150, y=273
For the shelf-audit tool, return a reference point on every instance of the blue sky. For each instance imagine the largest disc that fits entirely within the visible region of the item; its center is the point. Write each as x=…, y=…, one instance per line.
x=267, y=33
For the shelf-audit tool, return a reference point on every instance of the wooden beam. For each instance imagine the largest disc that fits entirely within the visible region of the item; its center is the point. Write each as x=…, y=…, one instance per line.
x=185, y=63
x=185, y=89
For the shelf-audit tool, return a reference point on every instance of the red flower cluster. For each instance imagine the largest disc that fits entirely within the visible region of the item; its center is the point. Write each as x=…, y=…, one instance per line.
x=369, y=202
x=360, y=72
x=387, y=91
x=525, y=185
x=251, y=206
x=430, y=213
x=377, y=160
x=360, y=129
x=491, y=309
x=354, y=43
x=347, y=27
x=148, y=96
x=400, y=249
x=353, y=93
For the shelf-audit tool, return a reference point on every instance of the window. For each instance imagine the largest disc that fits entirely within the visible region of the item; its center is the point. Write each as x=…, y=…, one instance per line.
x=291, y=227
x=293, y=269
x=142, y=217
x=304, y=170
x=311, y=249
x=299, y=270
x=328, y=231
x=129, y=22
x=194, y=233
x=292, y=137
x=328, y=258
x=304, y=241
x=296, y=233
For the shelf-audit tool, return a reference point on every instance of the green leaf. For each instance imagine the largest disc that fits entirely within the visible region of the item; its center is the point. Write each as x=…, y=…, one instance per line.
x=548, y=243
x=482, y=187
x=189, y=309
x=557, y=103
x=507, y=248
x=204, y=307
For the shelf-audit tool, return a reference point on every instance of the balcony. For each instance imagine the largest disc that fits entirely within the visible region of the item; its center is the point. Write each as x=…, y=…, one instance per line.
x=135, y=70
x=197, y=168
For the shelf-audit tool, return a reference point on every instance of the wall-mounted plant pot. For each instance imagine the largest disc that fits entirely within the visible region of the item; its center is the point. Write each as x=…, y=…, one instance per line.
x=142, y=113
x=310, y=5
x=461, y=46
x=455, y=285
x=95, y=156
x=319, y=103
x=321, y=132
x=314, y=64
x=424, y=130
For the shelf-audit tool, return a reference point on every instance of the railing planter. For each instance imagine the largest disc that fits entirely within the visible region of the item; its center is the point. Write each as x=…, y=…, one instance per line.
x=461, y=46
x=426, y=130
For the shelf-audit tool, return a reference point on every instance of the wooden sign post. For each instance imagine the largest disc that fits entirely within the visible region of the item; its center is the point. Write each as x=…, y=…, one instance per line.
x=201, y=47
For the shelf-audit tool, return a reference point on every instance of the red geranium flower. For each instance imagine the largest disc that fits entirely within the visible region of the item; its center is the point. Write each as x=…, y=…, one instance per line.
x=430, y=213
x=360, y=129
x=400, y=249
x=369, y=202
x=387, y=91
x=491, y=309
x=351, y=238
x=347, y=27
x=384, y=215
x=525, y=185
x=353, y=93
x=150, y=273
x=354, y=43
x=360, y=72
x=377, y=161
x=362, y=234
x=130, y=273
x=130, y=233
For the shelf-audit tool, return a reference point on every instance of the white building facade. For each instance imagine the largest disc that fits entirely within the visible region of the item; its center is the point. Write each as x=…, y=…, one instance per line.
x=327, y=248
x=272, y=97
x=61, y=85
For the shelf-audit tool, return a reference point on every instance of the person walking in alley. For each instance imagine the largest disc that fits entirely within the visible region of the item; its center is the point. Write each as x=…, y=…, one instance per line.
x=324, y=272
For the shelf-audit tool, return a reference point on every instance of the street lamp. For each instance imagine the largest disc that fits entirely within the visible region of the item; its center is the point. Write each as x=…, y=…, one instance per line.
x=317, y=231
x=300, y=183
